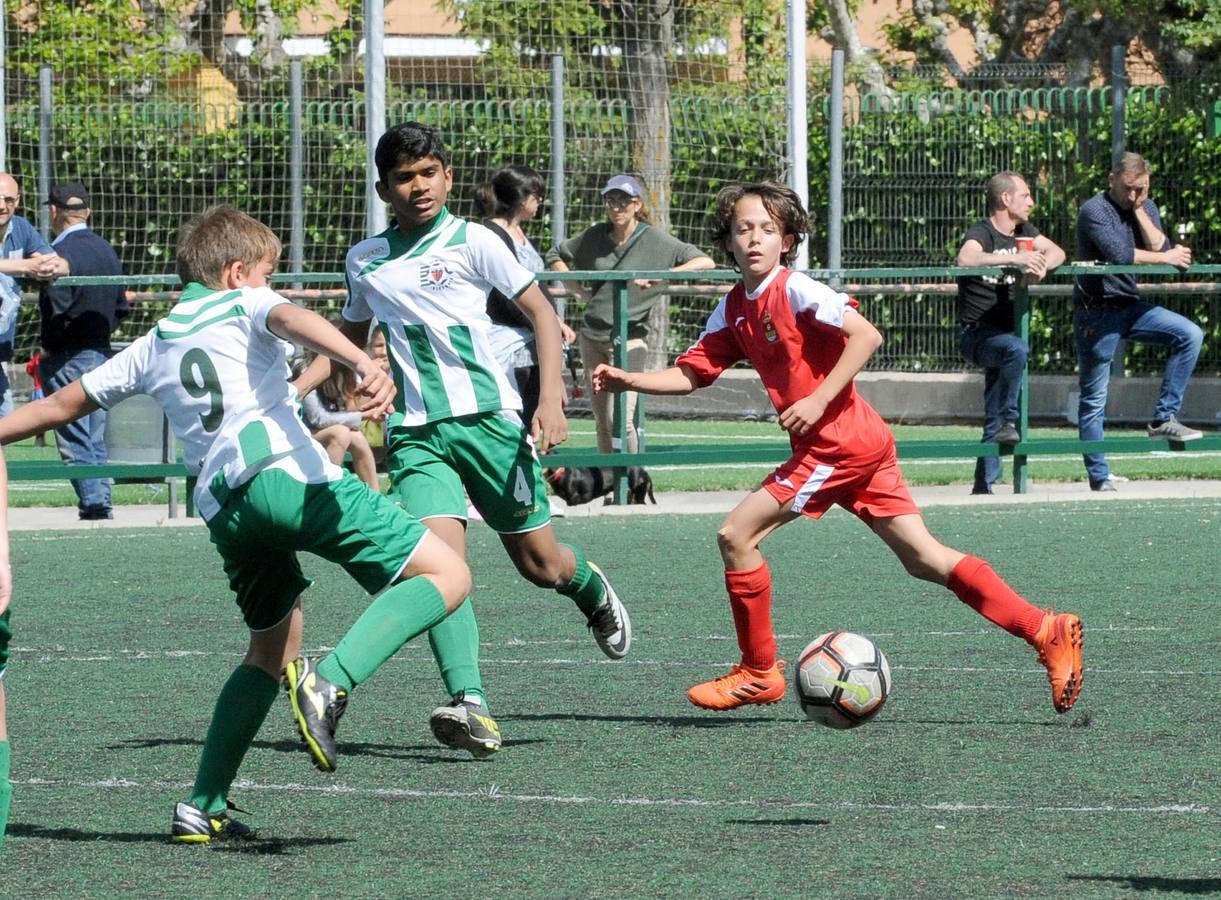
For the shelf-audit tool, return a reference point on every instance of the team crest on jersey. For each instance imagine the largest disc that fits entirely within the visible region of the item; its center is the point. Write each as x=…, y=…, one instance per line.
x=434, y=276
x=769, y=330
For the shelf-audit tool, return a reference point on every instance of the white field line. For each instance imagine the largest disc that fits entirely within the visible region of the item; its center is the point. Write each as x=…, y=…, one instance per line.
x=62, y=653
x=634, y=662
x=494, y=792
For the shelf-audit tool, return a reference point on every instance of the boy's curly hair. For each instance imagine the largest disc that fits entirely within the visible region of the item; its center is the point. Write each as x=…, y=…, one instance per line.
x=781, y=203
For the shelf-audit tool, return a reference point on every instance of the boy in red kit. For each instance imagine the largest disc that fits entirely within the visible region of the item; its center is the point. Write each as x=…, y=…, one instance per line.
x=807, y=342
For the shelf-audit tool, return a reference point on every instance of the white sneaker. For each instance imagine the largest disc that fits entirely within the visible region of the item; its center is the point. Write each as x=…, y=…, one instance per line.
x=610, y=623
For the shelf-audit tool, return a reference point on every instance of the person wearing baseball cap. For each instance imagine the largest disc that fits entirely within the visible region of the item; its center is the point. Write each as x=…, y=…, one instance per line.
x=625, y=241
x=76, y=323
x=70, y=196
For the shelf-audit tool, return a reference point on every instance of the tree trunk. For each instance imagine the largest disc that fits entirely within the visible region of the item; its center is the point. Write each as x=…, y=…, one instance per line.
x=648, y=37
x=868, y=74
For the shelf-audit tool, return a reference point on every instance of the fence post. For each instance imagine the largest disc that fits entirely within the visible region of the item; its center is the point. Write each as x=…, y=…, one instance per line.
x=620, y=423
x=1021, y=315
x=559, y=225
x=798, y=118
x=45, y=118
x=1119, y=99
x=835, y=206
x=3, y=103
x=375, y=109
x=296, y=173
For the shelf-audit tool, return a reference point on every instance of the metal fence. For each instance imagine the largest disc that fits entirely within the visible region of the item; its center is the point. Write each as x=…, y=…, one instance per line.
x=158, y=132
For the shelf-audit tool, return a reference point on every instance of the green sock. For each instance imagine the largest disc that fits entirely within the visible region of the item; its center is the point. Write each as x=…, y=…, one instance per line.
x=585, y=588
x=240, y=710
x=6, y=788
x=395, y=617
x=455, y=644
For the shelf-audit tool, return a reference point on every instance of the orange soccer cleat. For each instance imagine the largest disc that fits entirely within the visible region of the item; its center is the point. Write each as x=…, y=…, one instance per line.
x=1059, y=645
x=741, y=686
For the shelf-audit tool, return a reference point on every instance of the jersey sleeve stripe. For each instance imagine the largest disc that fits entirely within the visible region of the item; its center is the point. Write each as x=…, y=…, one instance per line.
x=166, y=330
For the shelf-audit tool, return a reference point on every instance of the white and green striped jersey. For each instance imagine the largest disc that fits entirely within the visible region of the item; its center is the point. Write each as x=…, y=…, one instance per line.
x=222, y=378
x=429, y=290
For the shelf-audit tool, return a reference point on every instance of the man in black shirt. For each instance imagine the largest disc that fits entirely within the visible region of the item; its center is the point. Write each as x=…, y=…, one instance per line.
x=985, y=307
x=76, y=326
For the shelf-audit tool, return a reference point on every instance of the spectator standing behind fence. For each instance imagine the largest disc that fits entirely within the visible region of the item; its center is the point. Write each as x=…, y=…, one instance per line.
x=625, y=241
x=985, y=307
x=1123, y=227
x=76, y=326
x=25, y=255
x=508, y=199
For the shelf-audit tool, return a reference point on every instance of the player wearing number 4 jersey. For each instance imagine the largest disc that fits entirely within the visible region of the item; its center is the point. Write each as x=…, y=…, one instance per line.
x=807, y=342
x=216, y=365
x=457, y=425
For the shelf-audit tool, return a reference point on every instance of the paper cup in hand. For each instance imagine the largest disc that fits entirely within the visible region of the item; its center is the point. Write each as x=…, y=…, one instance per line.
x=1024, y=244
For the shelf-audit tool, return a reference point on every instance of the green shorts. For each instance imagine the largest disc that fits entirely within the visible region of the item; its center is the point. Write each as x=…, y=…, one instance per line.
x=264, y=523
x=6, y=635
x=487, y=454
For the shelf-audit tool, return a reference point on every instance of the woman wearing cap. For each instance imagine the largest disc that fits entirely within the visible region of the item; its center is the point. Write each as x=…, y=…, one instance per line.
x=625, y=241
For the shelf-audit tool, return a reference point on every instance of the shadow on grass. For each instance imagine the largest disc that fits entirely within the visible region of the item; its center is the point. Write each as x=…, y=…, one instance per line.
x=975, y=723
x=425, y=753
x=707, y=721
x=262, y=845
x=771, y=823
x=1157, y=883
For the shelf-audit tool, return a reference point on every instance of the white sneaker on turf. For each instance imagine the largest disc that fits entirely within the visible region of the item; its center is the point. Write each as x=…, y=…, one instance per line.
x=610, y=623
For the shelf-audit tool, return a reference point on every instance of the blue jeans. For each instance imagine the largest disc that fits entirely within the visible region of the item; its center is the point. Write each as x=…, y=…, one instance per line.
x=6, y=394
x=83, y=442
x=1099, y=332
x=1002, y=356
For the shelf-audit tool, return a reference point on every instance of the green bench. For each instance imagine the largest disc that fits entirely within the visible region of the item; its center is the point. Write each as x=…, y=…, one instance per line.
x=122, y=473
x=774, y=452
x=765, y=453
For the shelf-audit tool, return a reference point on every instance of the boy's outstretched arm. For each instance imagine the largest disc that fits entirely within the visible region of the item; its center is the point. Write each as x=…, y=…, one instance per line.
x=863, y=341
x=65, y=405
x=308, y=329
x=550, y=426
x=676, y=380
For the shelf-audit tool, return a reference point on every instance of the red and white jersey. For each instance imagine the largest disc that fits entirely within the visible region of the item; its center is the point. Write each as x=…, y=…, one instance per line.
x=790, y=329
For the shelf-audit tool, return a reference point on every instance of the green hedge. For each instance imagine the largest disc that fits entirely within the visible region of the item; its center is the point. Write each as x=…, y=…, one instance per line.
x=914, y=170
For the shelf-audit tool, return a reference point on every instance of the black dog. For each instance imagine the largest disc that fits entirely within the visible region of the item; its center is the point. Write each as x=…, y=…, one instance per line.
x=577, y=486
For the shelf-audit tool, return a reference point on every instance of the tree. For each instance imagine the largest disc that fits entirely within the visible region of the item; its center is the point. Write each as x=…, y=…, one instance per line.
x=1077, y=34
x=107, y=48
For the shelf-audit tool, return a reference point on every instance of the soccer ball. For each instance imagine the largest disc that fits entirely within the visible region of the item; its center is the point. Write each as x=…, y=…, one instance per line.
x=842, y=679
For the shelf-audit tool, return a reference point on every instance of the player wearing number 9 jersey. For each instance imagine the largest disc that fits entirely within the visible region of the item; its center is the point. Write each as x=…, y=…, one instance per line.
x=457, y=430
x=216, y=364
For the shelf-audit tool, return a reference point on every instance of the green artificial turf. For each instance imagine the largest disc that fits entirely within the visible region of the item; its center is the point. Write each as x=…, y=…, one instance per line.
x=612, y=785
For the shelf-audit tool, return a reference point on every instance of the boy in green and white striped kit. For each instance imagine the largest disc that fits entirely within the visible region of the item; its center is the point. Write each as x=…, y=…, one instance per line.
x=216, y=364
x=457, y=423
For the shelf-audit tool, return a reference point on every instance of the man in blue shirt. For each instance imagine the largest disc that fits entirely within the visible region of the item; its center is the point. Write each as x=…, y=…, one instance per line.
x=76, y=326
x=25, y=255
x=1123, y=227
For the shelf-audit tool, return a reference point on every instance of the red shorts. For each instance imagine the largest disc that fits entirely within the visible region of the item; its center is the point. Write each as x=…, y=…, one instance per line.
x=872, y=490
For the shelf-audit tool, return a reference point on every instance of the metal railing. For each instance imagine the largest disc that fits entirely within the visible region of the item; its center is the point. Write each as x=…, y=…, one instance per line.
x=712, y=283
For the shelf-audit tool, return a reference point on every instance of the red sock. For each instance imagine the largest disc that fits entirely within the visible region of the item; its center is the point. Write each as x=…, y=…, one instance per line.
x=750, y=598
x=979, y=587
